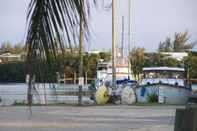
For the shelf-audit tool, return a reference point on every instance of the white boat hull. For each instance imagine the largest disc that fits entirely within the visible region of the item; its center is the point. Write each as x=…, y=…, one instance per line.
x=128, y=96
x=166, y=93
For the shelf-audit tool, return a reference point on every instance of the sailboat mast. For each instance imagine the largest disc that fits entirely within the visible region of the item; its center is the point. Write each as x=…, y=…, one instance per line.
x=81, y=50
x=129, y=22
x=113, y=47
x=129, y=38
x=122, y=46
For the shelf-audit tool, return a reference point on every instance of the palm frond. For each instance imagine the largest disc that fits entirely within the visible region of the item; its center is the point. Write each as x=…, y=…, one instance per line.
x=52, y=26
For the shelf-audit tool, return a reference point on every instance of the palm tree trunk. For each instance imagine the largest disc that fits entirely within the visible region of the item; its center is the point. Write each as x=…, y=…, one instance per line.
x=81, y=40
x=30, y=80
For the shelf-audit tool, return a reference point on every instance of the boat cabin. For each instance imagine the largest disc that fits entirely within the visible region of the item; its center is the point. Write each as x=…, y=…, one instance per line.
x=165, y=84
x=166, y=75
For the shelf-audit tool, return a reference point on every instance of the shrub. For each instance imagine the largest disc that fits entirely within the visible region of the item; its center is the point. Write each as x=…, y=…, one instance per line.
x=152, y=98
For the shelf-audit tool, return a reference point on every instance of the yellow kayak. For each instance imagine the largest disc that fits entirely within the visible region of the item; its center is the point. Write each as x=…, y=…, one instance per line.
x=102, y=95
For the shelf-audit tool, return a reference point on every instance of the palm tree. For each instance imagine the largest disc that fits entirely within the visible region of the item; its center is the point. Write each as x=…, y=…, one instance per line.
x=181, y=43
x=51, y=24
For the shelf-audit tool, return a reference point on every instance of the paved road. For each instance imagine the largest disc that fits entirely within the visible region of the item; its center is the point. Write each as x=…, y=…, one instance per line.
x=92, y=118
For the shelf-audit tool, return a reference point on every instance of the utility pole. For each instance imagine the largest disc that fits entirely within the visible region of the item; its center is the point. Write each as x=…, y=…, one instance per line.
x=113, y=47
x=81, y=44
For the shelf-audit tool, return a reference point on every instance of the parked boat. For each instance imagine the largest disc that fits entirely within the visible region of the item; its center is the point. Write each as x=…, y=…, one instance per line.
x=124, y=82
x=104, y=72
x=114, y=76
x=168, y=84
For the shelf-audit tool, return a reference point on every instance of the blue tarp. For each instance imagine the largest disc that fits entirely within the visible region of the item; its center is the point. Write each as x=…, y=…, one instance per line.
x=125, y=81
x=143, y=91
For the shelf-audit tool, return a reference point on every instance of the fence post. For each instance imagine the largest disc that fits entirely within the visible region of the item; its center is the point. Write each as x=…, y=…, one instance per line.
x=74, y=78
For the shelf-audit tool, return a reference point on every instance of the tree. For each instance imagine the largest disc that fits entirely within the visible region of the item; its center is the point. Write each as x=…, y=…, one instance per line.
x=106, y=56
x=137, y=59
x=166, y=46
x=12, y=72
x=158, y=59
x=153, y=59
x=140, y=59
x=191, y=64
x=48, y=21
x=179, y=44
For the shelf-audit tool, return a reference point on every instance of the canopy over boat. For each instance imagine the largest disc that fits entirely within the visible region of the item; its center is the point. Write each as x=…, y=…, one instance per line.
x=167, y=75
x=174, y=69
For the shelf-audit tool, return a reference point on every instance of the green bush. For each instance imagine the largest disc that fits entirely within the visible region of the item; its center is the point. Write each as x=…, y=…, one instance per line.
x=12, y=72
x=152, y=98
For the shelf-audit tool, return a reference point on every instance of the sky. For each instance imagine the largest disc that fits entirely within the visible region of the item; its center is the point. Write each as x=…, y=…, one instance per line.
x=152, y=21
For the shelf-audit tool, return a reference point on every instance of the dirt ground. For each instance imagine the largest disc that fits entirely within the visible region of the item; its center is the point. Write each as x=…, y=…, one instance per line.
x=89, y=118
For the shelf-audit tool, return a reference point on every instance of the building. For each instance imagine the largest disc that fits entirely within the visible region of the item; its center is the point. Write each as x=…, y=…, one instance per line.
x=9, y=57
x=176, y=55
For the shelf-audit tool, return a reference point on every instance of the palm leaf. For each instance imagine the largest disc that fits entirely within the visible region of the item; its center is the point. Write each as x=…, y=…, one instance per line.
x=52, y=26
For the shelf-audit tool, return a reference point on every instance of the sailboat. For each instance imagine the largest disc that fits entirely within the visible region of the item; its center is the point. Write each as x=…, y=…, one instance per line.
x=114, y=78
